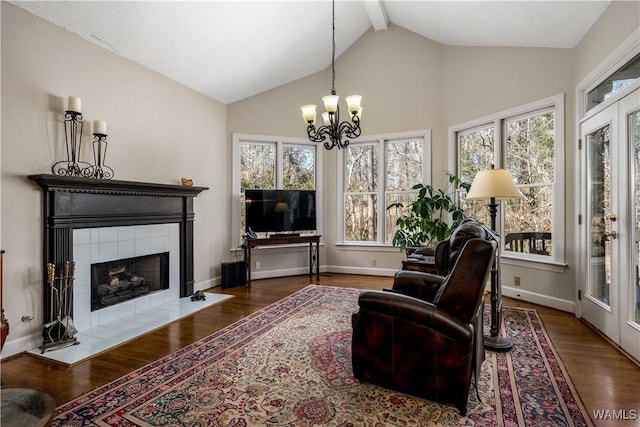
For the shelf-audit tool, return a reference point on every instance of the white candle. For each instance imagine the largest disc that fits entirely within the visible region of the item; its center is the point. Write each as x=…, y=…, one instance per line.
x=74, y=104
x=100, y=126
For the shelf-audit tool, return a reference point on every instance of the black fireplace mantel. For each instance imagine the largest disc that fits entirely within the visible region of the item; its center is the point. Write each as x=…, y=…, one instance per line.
x=73, y=203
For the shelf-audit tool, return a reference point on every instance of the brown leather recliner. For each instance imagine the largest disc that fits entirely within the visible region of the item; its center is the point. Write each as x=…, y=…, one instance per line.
x=425, y=286
x=420, y=347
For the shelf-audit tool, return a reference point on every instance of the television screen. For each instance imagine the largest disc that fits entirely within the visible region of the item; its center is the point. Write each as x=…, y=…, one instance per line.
x=280, y=210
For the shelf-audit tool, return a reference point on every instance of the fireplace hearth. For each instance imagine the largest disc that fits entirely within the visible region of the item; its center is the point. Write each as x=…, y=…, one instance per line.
x=114, y=282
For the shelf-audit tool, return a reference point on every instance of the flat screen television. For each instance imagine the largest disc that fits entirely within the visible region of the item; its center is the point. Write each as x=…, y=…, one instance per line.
x=280, y=211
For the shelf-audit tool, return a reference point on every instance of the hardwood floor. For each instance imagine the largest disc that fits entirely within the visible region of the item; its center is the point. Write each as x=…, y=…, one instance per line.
x=604, y=378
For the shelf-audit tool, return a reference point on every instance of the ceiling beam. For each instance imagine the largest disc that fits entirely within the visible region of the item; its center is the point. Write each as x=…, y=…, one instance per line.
x=377, y=14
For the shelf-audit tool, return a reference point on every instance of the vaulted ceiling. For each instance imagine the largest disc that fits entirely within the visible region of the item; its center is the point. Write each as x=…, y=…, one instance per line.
x=231, y=50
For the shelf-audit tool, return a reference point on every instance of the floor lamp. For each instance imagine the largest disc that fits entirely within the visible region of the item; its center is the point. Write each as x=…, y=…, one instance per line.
x=493, y=185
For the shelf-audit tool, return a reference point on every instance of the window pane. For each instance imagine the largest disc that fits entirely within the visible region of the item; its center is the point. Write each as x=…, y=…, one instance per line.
x=622, y=78
x=361, y=168
x=528, y=221
x=392, y=215
x=634, y=125
x=530, y=143
x=476, y=151
x=257, y=166
x=299, y=168
x=477, y=209
x=257, y=169
x=403, y=164
x=361, y=217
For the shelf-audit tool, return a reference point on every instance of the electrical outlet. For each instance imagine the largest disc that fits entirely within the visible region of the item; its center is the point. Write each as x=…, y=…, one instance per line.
x=257, y=265
x=374, y=262
x=516, y=280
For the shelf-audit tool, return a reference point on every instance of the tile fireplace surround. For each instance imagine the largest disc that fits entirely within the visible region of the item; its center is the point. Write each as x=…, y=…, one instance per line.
x=95, y=245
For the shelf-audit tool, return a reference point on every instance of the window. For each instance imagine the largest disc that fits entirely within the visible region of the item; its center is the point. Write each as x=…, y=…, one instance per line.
x=377, y=172
x=615, y=83
x=528, y=142
x=272, y=163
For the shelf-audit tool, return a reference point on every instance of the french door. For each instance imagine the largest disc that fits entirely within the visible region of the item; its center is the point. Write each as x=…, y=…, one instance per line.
x=610, y=191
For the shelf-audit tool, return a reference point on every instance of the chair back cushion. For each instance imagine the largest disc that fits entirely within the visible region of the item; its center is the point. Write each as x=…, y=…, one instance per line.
x=461, y=292
x=447, y=251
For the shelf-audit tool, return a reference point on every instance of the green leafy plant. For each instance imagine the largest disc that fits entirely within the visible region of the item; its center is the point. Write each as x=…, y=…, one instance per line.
x=428, y=218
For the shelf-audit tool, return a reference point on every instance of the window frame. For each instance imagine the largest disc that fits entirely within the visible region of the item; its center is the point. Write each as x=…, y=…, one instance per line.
x=555, y=103
x=380, y=141
x=280, y=142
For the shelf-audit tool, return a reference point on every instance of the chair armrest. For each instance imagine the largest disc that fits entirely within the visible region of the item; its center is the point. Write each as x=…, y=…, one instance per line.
x=417, y=284
x=408, y=309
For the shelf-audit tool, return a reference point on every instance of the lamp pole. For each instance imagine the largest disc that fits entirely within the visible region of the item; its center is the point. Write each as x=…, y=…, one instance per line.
x=494, y=341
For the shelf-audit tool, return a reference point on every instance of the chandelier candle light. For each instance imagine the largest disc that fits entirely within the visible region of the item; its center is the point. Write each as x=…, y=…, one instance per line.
x=332, y=131
x=494, y=184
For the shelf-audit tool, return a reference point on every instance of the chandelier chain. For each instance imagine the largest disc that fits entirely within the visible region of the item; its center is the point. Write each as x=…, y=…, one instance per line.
x=333, y=50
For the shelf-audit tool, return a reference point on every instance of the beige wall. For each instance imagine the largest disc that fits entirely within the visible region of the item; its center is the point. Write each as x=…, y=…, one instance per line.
x=617, y=22
x=159, y=131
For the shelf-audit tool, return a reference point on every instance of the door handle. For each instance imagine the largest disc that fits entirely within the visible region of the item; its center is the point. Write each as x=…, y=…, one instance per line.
x=612, y=234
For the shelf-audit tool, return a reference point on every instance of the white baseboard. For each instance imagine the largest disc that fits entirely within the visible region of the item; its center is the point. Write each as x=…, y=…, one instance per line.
x=267, y=274
x=545, y=300
x=367, y=271
x=207, y=284
x=21, y=344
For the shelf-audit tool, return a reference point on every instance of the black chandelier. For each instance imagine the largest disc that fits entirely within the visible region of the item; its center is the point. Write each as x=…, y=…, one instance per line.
x=332, y=132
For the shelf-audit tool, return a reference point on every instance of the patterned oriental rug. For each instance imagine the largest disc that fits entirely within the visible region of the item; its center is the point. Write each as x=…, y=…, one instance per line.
x=289, y=364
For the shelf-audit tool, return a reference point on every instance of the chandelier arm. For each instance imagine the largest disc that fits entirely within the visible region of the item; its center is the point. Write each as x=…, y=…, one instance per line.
x=318, y=134
x=352, y=130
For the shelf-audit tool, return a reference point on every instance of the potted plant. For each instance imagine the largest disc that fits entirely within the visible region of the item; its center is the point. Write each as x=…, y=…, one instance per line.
x=431, y=217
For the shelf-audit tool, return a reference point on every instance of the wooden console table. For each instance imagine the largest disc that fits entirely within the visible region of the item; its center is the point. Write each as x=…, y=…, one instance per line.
x=314, y=253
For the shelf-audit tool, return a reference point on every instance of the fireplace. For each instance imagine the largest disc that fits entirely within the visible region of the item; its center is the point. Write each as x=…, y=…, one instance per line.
x=114, y=282
x=75, y=210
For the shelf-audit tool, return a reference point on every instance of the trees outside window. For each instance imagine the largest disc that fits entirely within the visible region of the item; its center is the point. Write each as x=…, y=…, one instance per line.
x=530, y=142
x=377, y=172
x=476, y=152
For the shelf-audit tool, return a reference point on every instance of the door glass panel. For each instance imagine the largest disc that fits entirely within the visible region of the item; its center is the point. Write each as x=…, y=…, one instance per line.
x=600, y=248
x=634, y=126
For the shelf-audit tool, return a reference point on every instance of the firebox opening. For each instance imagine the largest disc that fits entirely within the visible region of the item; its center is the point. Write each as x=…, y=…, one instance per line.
x=113, y=282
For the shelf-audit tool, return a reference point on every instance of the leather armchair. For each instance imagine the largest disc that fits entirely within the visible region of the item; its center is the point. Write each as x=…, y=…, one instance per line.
x=420, y=346
x=425, y=286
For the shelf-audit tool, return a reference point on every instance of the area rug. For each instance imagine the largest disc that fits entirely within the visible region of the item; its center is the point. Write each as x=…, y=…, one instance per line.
x=289, y=364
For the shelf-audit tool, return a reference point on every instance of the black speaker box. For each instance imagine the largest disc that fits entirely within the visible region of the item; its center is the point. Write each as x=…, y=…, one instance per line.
x=233, y=274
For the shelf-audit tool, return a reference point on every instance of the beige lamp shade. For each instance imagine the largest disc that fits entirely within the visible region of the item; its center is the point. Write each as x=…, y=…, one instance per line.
x=493, y=183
